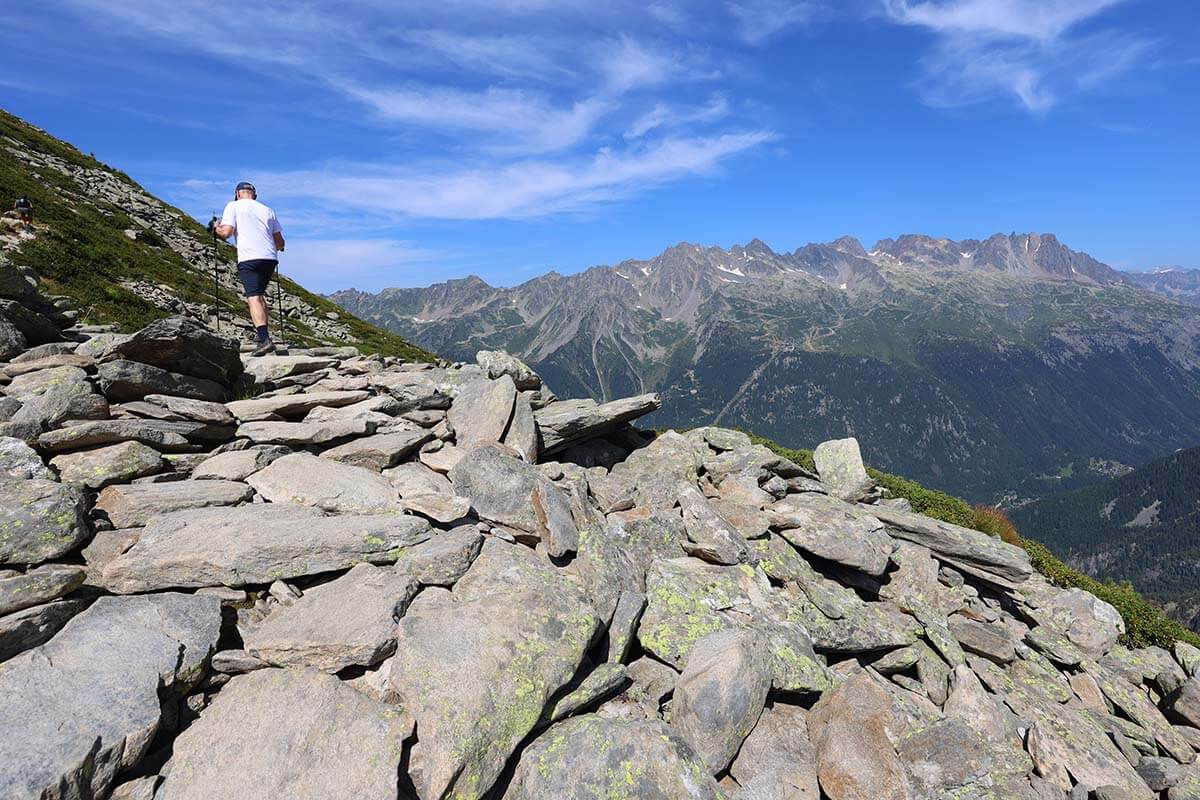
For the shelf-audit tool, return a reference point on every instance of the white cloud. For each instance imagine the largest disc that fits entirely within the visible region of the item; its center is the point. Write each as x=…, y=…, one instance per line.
x=761, y=20
x=521, y=189
x=1023, y=49
x=664, y=116
x=325, y=265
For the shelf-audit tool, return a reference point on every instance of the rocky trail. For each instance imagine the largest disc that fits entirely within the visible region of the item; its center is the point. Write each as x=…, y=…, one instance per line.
x=326, y=575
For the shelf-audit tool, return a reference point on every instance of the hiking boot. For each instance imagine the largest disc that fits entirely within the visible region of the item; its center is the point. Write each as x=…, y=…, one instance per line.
x=263, y=349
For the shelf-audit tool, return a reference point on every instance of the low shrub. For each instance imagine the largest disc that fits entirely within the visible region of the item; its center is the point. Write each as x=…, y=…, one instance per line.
x=995, y=522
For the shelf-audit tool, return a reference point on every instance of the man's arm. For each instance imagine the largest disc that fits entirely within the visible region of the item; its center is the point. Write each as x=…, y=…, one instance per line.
x=225, y=231
x=278, y=241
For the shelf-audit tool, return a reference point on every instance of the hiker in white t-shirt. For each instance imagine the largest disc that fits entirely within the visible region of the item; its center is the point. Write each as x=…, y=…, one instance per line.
x=259, y=242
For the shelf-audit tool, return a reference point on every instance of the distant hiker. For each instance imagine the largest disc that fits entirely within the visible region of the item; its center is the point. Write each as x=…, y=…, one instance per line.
x=259, y=242
x=24, y=209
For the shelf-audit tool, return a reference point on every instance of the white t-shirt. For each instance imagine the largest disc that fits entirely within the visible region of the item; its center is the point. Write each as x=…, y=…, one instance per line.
x=254, y=225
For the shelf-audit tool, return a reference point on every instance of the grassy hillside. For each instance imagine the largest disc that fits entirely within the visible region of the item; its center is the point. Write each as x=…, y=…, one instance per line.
x=1145, y=623
x=82, y=251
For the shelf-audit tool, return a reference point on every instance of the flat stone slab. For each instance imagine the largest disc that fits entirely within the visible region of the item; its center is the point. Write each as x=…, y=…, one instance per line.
x=963, y=547
x=118, y=463
x=131, y=380
x=236, y=465
x=86, y=705
x=350, y=621
x=308, y=480
x=197, y=410
x=481, y=411
x=834, y=530
x=256, y=544
x=133, y=505
x=33, y=626
x=95, y=433
x=443, y=559
x=302, y=434
x=380, y=451
x=267, y=369
x=292, y=405
x=282, y=733
x=569, y=422
x=38, y=586
x=39, y=520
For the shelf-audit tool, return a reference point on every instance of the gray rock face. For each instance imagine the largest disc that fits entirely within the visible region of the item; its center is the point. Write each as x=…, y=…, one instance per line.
x=307, y=480
x=497, y=363
x=839, y=463
x=710, y=535
x=604, y=681
x=481, y=412
x=506, y=491
x=721, y=693
x=779, y=744
x=1091, y=624
x=591, y=756
x=849, y=728
x=989, y=641
x=292, y=405
x=110, y=431
x=1185, y=702
x=39, y=520
x=86, y=705
x=132, y=506
x=118, y=463
x=33, y=626
x=961, y=547
x=348, y=621
x=38, y=586
x=182, y=345
x=833, y=530
x=236, y=465
x=66, y=395
x=20, y=461
x=381, y=451
x=286, y=733
x=303, y=434
x=133, y=380
x=443, y=559
x=255, y=544
x=569, y=422
x=525, y=630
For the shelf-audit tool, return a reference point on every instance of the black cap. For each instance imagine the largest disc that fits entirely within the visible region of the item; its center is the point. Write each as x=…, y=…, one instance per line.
x=245, y=186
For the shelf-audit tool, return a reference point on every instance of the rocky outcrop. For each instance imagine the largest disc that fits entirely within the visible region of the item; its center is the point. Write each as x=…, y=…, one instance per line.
x=387, y=597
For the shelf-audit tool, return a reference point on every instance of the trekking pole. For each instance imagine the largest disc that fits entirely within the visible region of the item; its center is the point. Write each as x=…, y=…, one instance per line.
x=212, y=226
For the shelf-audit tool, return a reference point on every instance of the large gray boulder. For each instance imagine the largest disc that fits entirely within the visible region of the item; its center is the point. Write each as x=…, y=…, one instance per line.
x=477, y=667
x=482, y=411
x=39, y=520
x=65, y=394
x=779, y=744
x=278, y=733
x=506, y=491
x=195, y=410
x=380, y=451
x=710, y=535
x=833, y=530
x=497, y=363
x=856, y=760
x=85, y=706
x=132, y=380
x=721, y=693
x=308, y=480
x=133, y=505
x=255, y=544
x=1088, y=622
x=96, y=433
x=688, y=599
x=569, y=422
x=20, y=461
x=839, y=463
x=595, y=757
x=117, y=463
x=350, y=621
x=183, y=345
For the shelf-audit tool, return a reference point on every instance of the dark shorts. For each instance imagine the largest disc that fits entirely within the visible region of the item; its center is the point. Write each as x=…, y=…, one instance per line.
x=256, y=275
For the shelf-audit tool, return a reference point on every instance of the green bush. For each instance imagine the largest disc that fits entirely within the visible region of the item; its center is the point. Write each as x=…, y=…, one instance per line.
x=1145, y=624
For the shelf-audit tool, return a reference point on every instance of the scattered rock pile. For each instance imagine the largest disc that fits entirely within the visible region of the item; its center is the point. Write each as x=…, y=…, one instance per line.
x=323, y=574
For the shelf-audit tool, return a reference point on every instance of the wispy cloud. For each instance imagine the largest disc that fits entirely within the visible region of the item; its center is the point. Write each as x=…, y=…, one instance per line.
x=761, y=20
x=325, y=265
x=665, y=116
x=1028, y=50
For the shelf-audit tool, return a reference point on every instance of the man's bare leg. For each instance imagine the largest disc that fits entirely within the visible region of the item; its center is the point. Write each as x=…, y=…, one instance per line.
x=258, y=315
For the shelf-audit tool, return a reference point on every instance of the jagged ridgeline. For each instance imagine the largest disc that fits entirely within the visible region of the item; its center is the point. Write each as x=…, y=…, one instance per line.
x=1012, y=366
x=124, y=257
x=322, y=574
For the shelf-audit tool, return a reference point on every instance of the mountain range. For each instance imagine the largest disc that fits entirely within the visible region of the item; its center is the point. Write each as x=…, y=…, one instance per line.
x=1007, y=367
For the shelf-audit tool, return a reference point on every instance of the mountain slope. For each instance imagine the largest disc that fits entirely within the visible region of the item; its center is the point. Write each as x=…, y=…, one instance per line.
x=1174, y=282
x=1143, y=527
x=1011, y=366
x=126, y=258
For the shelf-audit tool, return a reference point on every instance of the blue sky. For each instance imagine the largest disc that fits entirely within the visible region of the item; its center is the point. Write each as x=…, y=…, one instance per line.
x=406, y=143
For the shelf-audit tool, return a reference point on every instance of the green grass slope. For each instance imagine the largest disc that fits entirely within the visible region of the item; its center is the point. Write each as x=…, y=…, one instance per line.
x=82, y=252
